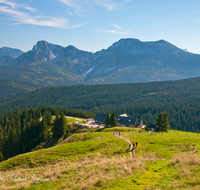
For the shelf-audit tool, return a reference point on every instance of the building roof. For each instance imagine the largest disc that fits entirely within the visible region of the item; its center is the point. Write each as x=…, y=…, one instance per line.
x=126, y=120
x=100, y=117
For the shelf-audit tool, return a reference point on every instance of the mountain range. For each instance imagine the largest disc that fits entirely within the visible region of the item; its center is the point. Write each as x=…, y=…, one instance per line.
x=126, y=61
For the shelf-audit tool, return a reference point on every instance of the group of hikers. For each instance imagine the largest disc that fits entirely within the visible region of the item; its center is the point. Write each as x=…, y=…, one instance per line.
x=134, y=146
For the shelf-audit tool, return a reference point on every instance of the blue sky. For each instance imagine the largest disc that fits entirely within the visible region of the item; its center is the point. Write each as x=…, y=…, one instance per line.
x=93, y=25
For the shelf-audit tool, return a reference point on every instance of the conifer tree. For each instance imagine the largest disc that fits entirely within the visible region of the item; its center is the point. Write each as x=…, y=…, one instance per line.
x=62, y=125
x=113, y=121
x=162, y=122
x=107, y=119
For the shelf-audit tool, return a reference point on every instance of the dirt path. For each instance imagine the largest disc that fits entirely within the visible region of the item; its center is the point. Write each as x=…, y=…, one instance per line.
x=132, y=152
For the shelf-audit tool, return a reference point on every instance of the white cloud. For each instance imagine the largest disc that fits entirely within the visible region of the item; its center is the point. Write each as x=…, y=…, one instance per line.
x=109, y=5
x=80, y=7
x=115, y=31
x=30, y=9
x=10, y=9
x=116, y=26
x=13, y=5
x=195, y=12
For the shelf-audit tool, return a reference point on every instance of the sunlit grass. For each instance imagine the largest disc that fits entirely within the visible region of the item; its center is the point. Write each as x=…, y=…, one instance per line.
x=101, y=161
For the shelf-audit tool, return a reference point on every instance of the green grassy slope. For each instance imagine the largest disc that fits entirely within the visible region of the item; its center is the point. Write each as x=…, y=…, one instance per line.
x=101, y=161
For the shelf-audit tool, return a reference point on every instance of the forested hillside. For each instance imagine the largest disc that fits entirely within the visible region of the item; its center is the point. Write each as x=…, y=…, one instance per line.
x=143, y=100
x=10, y=87
x=100, y=97
x=24, y=130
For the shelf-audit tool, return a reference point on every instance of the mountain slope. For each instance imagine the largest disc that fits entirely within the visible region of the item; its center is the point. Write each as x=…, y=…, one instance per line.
x=5, y=61
x=126, y=61
x=131, y=60
x=46, y=74
x=10, y=87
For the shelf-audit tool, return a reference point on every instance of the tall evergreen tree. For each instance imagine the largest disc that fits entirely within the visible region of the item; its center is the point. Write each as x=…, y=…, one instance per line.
x=113, y=121
x=62, y=125
x=44, y=128
x=162, y=121
x=107, y=119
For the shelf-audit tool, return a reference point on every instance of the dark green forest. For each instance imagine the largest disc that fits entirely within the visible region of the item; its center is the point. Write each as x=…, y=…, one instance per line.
x=24, y=130
x=143, y=100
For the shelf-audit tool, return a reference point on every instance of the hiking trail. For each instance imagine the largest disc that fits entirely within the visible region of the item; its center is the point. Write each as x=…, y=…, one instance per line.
x=132, y=151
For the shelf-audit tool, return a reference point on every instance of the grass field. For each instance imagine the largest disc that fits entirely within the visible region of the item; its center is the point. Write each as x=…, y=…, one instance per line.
x=70, y=119
x=100, y=160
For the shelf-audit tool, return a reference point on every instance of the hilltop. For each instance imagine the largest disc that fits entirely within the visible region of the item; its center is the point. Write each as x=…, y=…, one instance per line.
x=101, y=161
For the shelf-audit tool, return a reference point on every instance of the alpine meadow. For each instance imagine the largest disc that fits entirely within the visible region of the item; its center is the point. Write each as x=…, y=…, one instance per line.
x=99, y=95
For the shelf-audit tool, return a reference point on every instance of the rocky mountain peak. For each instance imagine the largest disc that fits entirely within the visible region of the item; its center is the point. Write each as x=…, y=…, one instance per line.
x=43, y=46
x=47, y=50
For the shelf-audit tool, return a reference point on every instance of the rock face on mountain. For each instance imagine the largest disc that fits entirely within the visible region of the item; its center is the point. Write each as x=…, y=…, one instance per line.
x=128, y=60
x=41, y=52
x=11, y=52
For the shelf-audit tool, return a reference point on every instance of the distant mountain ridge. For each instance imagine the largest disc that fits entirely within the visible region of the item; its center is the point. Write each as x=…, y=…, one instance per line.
x=126, y=61
x=11, y=52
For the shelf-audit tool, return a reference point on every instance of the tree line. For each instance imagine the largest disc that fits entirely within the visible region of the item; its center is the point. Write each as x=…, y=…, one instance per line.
x=24, y=130
x=110, y=120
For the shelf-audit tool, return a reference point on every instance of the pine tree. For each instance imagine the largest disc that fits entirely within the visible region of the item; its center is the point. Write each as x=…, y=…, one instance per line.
x=44, y=128
x=162, y=121
x=113, y=121
x=107, y=119
x=62, y=125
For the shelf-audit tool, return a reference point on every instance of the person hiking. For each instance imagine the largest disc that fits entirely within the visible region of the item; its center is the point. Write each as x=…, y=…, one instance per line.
x=136, y=143
x=133, y=145
x=119, y=133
